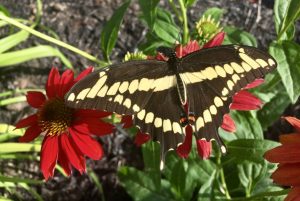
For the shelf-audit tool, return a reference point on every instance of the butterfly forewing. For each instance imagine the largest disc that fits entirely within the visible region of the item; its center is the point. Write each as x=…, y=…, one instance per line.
x=123, y=88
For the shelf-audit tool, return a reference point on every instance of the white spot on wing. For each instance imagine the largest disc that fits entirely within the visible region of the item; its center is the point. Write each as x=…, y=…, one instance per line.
x=71, y=97
x=141, y=114
x=97, y=87
x=113, y=89
x=158, y=122
x=136, y=108
x=167, y=125
x=83, y=94
x=262, y=62
x=127, y=103
x=103, y=91
x=123, y=87
x=149, y=117
x=249, y=60
x=207, y=116
x=134, y=84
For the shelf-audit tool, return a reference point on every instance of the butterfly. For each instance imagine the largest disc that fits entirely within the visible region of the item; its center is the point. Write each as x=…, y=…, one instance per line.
x=155, y=92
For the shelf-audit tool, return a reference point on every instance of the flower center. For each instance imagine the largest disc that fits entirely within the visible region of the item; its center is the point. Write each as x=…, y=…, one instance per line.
x=55, y=117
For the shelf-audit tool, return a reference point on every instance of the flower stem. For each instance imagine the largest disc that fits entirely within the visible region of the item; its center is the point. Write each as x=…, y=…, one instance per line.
x=222, y=176
x=185, y=37
x=171, y=2
x=50, y=39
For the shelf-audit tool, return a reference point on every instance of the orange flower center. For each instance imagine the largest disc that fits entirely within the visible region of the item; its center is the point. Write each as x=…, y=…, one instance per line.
x=55, y=117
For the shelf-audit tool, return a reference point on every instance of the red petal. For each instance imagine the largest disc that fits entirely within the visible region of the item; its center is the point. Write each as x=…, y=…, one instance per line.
x=31, y=133
x=127, y=121
x=244, y=100
x=204, y=148
x=35, y=98
x=288, y=153
x=294, y=194
x=290, y=138
x=287, y=175
x=74, y=155
x=179, y=51
x=228, y=123
x=161, y=57
x=215, y=41
x=141, y=138
x=65, y=83
x=87, y=145
x=255, y=83
x=93, y=126
x=52, y=83
x=91, y=114
x=84, y=73
x=192, y=46
x=184, y=149
x=49, y=156
x=63, y=161
x=28, y=121
x=294, y=122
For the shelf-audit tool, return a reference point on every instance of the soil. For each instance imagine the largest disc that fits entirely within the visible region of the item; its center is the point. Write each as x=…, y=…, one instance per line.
x=79, y=23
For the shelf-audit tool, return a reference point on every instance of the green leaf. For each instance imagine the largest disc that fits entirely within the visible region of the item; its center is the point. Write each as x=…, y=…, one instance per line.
x=272, y=110
x=13, y=100
x=188, y=3
x=250, y=174
x=11, y=147
x=19, y=180
x=287, y=55
x=13, y=40
x=165, y=28
x=178, y=179
x=141, y=187
x=110, y=31
x=250, y=149
x=20, y=56
x=247, y=126
x=237, y=36
x=7, y=132
x=149, y=8
x=280, y=11
x=215, y=13
x=292, y=13
x=151, y=157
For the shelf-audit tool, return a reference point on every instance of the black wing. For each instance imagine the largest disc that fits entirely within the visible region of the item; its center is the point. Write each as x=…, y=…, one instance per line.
x=145, y=89
x=123, y=88
x=213, y=76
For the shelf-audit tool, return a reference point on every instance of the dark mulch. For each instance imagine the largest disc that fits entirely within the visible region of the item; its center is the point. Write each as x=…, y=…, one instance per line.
x=79, y=23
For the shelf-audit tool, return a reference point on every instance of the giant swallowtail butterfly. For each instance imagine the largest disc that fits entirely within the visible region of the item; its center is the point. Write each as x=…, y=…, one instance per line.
x=154, y=92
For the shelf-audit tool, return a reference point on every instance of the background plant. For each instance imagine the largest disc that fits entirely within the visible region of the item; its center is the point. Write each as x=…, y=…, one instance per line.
x=243, y=174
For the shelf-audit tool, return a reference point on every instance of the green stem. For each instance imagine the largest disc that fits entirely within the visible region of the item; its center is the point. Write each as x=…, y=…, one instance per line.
x=185, y=23
x=50, y=39
x=262, y=195
x=171, y=2
x=222, y=176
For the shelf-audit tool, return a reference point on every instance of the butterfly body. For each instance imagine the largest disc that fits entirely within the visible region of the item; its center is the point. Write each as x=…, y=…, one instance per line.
x=154, y=92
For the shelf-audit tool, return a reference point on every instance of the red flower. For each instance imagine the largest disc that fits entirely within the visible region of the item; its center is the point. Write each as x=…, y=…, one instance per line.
x=288, y=157
x=67, y=131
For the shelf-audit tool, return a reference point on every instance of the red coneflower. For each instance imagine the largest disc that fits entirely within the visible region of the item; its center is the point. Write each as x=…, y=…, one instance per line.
x=288, y=157
x=66, y=131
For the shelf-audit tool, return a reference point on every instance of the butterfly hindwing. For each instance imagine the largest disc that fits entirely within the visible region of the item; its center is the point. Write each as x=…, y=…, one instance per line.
x=160, y=118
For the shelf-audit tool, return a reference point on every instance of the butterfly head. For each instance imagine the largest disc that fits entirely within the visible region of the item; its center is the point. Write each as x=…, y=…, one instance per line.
x=167, y=52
